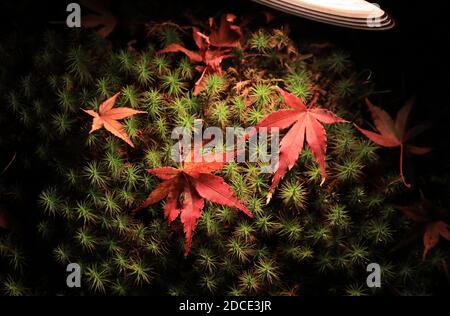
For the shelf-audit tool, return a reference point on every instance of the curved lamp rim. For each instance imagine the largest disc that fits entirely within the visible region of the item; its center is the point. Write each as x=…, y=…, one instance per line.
x=378, y=20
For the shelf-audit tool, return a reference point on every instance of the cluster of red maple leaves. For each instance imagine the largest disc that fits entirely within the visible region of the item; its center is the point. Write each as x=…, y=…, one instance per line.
x=186, y=188
x=212, y=48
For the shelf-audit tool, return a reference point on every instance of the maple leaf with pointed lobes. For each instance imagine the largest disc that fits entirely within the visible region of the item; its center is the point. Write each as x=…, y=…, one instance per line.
x=103, y=19
x=393, y=133
x=430, y=222
x=108, y=117
x=305, y=124
x=209, y=59
x=194, y=183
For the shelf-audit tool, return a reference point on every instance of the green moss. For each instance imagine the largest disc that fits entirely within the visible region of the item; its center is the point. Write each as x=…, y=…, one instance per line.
x=260, y=41
x=92, y=182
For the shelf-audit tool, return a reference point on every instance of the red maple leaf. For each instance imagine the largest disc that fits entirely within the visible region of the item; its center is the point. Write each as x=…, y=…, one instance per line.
x=393, y=133
x=208, y=58
x=306, y=125
x=103, y=19
x=429, y=220
x=186, y=189
x=108, y=117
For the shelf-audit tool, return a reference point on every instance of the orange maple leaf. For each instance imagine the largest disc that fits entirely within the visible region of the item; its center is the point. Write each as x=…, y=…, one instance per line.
x=108, y=117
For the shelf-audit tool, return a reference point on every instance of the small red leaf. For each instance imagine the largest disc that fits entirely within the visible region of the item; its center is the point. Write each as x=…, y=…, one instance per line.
x=108, y=118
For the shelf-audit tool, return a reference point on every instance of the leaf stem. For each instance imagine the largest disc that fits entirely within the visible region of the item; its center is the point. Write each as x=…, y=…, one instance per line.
x=401, y=168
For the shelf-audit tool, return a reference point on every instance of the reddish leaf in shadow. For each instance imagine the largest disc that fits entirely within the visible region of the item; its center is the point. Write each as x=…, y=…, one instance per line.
x=393, y=133
x=430, y=221
x=104, y=20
